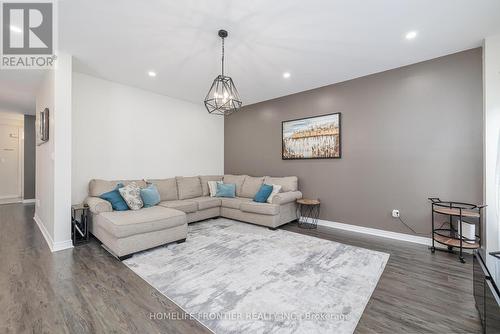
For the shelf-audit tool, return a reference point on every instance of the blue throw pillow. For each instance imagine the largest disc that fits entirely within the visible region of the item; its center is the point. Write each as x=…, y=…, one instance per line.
x=263, y=193
x=226, y=190
x=115, y=198
x=150, y=196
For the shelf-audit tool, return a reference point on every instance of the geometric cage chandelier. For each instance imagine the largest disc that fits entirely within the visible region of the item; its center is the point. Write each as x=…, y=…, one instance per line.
x=222, y=97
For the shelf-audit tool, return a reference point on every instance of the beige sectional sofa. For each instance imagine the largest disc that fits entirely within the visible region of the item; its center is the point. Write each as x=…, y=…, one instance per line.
x=185, y=200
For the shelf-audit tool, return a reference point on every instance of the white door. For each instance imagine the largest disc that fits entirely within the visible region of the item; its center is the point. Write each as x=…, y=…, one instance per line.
x=9, y=162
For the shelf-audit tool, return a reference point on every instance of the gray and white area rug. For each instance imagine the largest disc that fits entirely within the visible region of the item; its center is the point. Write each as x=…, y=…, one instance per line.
x=241, y=278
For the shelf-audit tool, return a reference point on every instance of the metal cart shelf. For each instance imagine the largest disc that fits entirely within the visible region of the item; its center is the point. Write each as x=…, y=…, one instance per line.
x=449, y=235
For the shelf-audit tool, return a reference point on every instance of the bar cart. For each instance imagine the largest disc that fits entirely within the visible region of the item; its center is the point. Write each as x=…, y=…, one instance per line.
x=452, y=235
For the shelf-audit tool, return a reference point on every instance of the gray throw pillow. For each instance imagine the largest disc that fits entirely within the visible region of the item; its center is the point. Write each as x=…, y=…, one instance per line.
x=131, y=193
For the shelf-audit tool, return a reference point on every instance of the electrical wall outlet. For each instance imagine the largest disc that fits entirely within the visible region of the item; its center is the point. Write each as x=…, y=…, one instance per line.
x=395, y=213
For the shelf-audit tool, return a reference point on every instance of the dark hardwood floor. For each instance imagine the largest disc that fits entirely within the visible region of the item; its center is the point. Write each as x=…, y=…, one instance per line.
x=419, y=292
x=85, y=290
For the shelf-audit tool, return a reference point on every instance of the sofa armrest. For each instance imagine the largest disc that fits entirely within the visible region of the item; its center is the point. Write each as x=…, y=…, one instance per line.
x=98, y=205
x=286, y=197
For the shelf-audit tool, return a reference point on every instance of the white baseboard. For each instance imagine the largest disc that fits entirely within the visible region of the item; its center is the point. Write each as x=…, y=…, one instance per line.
x=380, y=233
x=44, y=231
x=62, y=245
x=53, y=246
x=29, y=201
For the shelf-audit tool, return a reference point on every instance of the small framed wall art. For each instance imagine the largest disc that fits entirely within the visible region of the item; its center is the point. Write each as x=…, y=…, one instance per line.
x=43, y=126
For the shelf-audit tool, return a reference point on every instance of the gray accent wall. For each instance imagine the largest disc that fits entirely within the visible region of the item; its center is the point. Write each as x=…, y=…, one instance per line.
x=407, y=134
x=29, y=157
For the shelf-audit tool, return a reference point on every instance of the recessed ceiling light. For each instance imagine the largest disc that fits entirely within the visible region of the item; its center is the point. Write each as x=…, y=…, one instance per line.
x=286, y=75
x=152, y=73
x=411, y=34
x=16, y=29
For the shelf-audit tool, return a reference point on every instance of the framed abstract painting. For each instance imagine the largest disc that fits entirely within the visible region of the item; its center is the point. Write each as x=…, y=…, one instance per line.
x=317, y=137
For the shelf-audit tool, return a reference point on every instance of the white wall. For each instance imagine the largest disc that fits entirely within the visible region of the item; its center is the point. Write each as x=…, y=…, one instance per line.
x=62, y=149
x=491, y=89
x=44, y=171
x=121, y=132
x=53, y=158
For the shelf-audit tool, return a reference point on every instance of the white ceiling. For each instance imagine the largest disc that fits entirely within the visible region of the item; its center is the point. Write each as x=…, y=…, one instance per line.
x=318, y=42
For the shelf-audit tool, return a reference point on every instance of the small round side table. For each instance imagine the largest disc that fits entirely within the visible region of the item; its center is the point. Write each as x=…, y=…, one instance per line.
x=308, y=212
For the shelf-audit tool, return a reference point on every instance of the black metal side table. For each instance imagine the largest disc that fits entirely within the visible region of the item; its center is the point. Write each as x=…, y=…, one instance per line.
x=79, y=224
x=308, y=213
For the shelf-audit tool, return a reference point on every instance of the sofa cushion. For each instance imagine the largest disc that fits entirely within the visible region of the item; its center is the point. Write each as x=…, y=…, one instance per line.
x=204, y=182
x=167, y=188
x=260, y=208
x=126, y=223
x=188, y=187
x=288, y=183
x=251, y=186
x=237, y=180
x=182, y=205
x=98, y=205
x=286, y=197
x=207, y=202
x=98, y=187
x=234, y=203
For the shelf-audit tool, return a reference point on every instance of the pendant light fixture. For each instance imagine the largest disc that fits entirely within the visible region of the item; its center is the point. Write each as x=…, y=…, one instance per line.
x=223, y=97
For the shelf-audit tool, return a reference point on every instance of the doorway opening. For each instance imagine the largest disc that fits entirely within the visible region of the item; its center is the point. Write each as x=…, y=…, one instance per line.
x=16, y=158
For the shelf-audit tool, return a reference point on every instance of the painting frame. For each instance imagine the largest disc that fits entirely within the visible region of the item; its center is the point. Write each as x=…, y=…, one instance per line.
x=43, y=120
x=339, y=115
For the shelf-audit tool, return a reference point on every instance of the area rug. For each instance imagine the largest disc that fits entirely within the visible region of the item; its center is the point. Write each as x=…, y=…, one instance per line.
x=240, y=278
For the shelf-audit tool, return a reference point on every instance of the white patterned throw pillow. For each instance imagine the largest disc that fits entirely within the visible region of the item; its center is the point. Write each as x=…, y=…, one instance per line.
x=131, y=193
x=212, y=187
x=276, y=189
